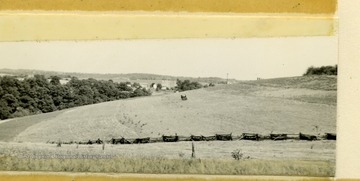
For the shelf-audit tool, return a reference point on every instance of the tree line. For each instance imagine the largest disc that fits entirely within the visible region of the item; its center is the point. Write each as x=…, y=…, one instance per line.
x=323, y=70
x=39, y=95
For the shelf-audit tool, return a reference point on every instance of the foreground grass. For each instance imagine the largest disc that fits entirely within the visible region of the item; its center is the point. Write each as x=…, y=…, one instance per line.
x=159, y=165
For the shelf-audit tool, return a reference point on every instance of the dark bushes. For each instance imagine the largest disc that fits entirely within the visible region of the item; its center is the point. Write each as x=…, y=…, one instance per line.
x=323, y=70
x=187, y=85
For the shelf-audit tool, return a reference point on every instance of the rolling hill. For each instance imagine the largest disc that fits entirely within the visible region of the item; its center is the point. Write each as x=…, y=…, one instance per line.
x=285, y=105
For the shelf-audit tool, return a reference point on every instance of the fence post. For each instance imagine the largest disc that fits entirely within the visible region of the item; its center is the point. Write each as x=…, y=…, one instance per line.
x=192, y=149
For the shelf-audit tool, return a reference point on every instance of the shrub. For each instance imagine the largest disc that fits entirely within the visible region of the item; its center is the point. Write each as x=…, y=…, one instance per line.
x=237, y=154
x=187, y=85
x=323, y=70
x=21, y=112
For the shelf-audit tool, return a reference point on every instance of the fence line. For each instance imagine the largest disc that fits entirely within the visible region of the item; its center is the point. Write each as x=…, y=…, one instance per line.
x=216, y=137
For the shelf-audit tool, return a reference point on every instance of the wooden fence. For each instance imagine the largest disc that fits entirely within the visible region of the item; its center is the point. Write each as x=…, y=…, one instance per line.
x=216, y=137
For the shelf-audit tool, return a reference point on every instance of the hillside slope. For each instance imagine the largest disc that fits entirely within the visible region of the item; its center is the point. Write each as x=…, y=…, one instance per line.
x=262, y=106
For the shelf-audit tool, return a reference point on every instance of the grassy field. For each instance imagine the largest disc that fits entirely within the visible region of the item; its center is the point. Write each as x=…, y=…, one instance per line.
x=281, y=150
x=284, y=105
x=314, y=82
x=12, y=127
x=237, y=108
x=121, y=159
x=159, y=165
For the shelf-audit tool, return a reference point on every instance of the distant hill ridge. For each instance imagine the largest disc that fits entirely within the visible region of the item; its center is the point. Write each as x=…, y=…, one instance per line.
x=115, y=77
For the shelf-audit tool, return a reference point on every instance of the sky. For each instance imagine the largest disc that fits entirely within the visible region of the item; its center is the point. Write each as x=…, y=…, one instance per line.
x=240, y=58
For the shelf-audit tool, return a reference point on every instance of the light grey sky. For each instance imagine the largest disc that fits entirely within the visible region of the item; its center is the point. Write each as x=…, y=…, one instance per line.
x=243, y=59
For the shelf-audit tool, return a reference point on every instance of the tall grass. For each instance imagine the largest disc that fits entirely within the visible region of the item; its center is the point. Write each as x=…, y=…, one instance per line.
x=159, y=165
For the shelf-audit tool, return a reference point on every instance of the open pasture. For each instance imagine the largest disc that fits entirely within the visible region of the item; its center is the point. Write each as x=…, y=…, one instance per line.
x=278, y=106
x=237, y=108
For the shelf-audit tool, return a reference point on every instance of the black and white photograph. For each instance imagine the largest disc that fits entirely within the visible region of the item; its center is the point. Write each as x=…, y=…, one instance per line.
x=208, y=106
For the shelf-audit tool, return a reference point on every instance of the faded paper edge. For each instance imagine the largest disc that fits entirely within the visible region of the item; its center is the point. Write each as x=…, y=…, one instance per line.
x=237, y=6
x=45, y=26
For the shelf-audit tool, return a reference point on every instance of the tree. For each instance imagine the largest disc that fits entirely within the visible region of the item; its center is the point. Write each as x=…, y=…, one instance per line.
x=136, y=85
x=29, y=103
x=85, y=90
x=55, y=80
x=2, y=92
x=187, y=85
x=41, y=92
x=21, y=112
x=10, y=85
x=46, y=104
x=4, y=110
x=41, y=81
x=140, y=92
x=179, y=84
x=158, y=87
x=11, y=102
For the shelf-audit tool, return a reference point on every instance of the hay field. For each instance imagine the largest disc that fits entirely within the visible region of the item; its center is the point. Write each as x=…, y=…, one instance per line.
x=236, y=108
x=286, y=105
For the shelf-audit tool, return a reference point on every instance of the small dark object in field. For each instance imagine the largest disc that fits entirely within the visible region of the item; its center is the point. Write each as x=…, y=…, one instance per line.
x=181, y=154
x=183, y=97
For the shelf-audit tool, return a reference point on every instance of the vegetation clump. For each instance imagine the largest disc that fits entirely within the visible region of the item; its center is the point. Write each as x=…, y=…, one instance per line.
x=187, y=85
x=323, y=70
x=237, y=154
